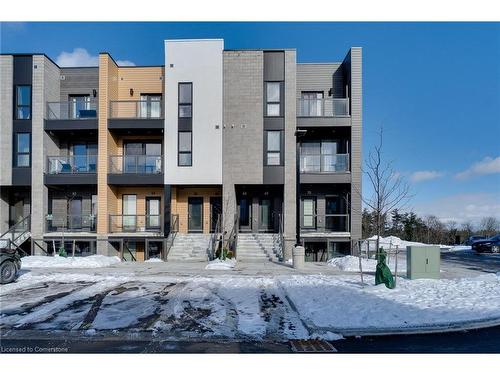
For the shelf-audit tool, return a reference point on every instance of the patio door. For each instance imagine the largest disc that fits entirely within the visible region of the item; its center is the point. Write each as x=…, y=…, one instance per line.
x=153, y=213
x=75, y=213
x=129, y=207
x=78, y=106
x=195, y=214
x=150, y=106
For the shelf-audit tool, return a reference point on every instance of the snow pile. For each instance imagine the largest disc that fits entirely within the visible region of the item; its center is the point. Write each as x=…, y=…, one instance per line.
x=218, y=264
x=153, y=260
x=92, y=261
x=391, y=242
x=343, y=303
x=350, y=263
x=459, y=248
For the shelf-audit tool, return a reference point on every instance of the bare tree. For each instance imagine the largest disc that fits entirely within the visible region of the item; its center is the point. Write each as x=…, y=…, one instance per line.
x=489, y=226
x=390, y=189
x=467, y=228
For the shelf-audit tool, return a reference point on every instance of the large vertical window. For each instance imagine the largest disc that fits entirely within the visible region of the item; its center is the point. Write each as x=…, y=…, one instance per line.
x=273, y=98
x=185, y=158
x=309, y=212
x=311, y=103
x=273, y=151
x=22, y=150
x=23, y=102
x=185, y=100
x=150, y=106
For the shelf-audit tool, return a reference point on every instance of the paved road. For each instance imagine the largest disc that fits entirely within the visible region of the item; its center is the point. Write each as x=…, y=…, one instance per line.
x=472, y=261
x=475, y=341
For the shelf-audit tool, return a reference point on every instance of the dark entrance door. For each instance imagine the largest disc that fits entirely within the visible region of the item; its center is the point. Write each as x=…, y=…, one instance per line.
x=195, y=214
x=245, y=212
x=215, y=211
x=266, y=215
x=75, y=214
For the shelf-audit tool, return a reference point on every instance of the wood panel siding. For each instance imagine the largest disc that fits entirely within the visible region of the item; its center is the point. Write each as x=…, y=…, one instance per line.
x=179, y=204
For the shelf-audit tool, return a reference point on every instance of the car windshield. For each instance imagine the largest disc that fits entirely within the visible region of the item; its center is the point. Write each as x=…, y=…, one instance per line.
x=495, y=238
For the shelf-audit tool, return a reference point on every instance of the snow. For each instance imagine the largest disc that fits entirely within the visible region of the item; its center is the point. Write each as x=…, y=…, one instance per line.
x=282, y=307
x=459, y=248
x=350, y=263
x=92, y=261
x=391, y=242
x=153, y=260
x=218, y=264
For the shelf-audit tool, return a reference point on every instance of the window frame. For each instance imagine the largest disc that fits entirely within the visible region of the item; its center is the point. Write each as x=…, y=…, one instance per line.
x=17, y=152
x=268, y=102
x=274, y=152
x=179, y=152
x=184, y=104
x=17, y=105
x=314, y=213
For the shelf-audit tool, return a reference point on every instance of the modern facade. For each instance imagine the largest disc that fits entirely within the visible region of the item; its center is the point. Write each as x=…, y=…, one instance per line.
x=214, y=149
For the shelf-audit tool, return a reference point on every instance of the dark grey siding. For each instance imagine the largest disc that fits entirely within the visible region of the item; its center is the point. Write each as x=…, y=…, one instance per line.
x=78, y=81
x=321, y=77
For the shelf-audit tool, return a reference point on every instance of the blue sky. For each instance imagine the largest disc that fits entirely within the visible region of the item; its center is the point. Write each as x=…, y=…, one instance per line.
x=435, y=87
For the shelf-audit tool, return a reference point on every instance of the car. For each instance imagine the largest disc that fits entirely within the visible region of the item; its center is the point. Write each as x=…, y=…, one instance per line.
x=488, y=245
x=473, y=239
x=10, y=264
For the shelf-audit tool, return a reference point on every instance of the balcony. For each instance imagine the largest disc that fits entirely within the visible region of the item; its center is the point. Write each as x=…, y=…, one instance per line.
x=71, y=223
x=324, y=168
x=74, y=169
x=71, y=115
x=136, y=224
x=325, y=224
x=323, y=112
x=135, y=170
x=136, y=115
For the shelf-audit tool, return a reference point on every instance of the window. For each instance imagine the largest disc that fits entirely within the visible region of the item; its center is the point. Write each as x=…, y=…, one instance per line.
x=22, y=149
x=185, y=149
x=311, y=103
x=273, y=156
x=185, y=100
x=150, y=106
x=309, y=212
x=273, y=98
x=23, y=102
x=80, y=106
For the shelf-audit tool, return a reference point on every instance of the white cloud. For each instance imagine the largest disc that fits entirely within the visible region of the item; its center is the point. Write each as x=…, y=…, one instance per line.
x=486, y=166
x=462, y=207
x=81, y=57
x=420, y=176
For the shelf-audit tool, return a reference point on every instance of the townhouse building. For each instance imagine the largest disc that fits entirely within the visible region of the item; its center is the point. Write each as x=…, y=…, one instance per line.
x=214, y=149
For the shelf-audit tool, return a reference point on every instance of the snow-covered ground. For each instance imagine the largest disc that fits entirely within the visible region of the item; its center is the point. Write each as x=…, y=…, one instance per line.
x=459, y=248
x=391, y=242
x=218, y=264
x=239, y=307
x=93, y=261
x=350, y=263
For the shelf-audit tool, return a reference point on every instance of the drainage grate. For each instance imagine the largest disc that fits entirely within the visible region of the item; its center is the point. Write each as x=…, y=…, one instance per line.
x=312, y=346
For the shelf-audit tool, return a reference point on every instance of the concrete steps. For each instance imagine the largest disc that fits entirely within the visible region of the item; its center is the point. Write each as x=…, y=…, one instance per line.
x=257, y=247
x=190, y=247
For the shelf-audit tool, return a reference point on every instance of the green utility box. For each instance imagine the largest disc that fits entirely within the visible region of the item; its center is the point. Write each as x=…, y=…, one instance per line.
x=423, y=262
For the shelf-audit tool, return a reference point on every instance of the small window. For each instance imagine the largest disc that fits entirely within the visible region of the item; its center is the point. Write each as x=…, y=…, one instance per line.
x=23, y=102
x=185, y=149
x=22, y=149
x=273, y=98
x=186, y=100
x=273, y=147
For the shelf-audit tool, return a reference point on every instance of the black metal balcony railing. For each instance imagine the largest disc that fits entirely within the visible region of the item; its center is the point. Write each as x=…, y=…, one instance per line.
x=324, y=163
x=135, y=223
x=136, y=109
x=73, y=164
x=136, y=164
x=72, y=110
x=71, y=223
x=338, y=107
x=332, y=222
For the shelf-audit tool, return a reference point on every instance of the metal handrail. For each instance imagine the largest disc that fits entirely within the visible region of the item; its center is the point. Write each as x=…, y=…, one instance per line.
x=136, y=164
x=323, y=107
x=174, y=229
x=66, y=222
x=136, y=109
x=129, y=251
x=72, y=164
x=134, y=223
x=281, y=239
x=72, y=110
x=215, y=237
x=320, y=165
x=11, y=233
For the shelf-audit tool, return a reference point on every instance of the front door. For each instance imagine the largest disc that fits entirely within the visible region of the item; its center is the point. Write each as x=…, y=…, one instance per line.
x=245, y=212
x=153, y=213
x=265, y=215
x=75, y=214
x=195, y=214
x=215, y=212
